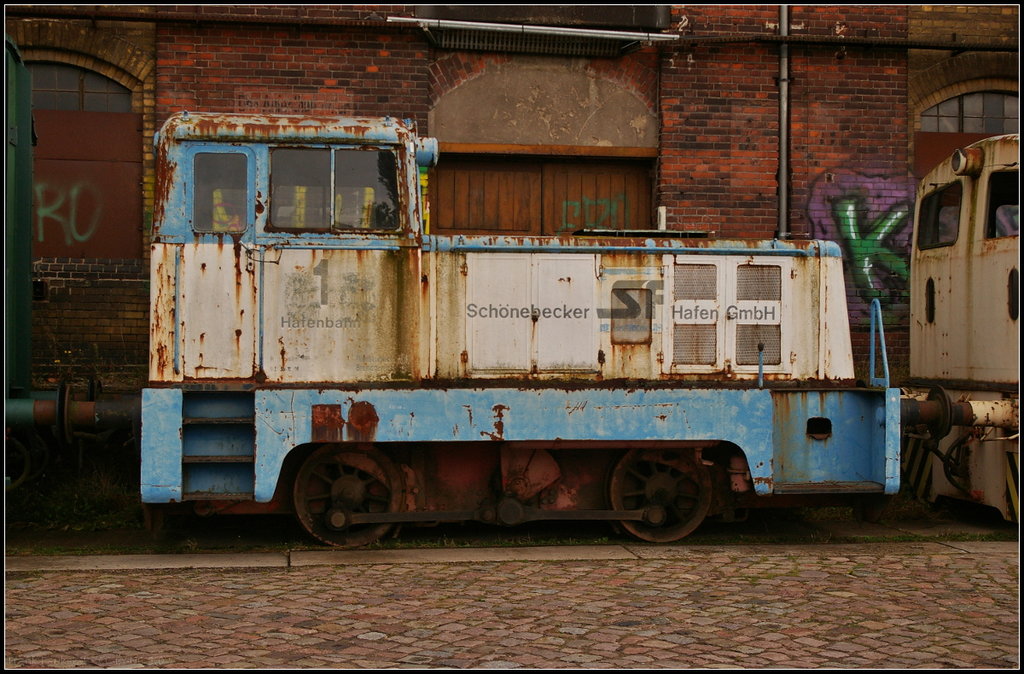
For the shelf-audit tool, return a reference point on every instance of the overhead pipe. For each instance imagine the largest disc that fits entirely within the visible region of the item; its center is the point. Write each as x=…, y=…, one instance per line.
x=783, y=231
x=440, y=24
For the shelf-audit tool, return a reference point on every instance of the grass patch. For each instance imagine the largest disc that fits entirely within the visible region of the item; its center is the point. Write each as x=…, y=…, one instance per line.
x=97, y=492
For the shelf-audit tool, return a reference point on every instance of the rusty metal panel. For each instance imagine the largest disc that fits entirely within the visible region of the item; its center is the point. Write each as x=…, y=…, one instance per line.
x=499, y=331
x=793, y=305
x=87, y=195
x=565, y=313
x=630, y=328
x=332, y=315
x=163, y=346
x=648, y=17
x=531, y=313
x=216, y=312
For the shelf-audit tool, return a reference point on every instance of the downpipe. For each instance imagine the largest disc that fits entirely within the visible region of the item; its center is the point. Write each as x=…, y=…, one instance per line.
x=783, y=229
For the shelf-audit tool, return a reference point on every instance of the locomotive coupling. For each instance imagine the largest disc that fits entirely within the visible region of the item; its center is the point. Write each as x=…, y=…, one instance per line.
x=939, y=413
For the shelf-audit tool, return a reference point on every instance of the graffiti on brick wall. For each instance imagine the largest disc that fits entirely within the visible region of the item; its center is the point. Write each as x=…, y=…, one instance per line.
x=871, y=218
x=74, y=211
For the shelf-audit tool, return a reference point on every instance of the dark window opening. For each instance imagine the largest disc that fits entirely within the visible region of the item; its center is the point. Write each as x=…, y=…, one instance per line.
x=1003, y=205
x=939, y=217
x=365, y=190
x=299, y=188
x=929, y=301
x=1013, y=294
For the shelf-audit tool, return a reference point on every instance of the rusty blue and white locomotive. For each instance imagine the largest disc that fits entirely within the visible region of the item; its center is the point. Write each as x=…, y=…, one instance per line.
x=316, y=349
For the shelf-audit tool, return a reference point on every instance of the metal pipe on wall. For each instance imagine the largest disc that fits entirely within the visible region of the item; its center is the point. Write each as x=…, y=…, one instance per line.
x=783, y=231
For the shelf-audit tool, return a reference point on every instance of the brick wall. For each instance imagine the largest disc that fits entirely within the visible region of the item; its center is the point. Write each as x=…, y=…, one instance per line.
x=91, y=322
x=936, y=75
x=319, y=68
x=719, y=109
x=851, y=181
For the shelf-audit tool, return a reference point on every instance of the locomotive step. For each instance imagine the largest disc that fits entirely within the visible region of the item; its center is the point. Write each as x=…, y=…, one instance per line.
x=218, y=420
x=219, y=458
x=828, y=488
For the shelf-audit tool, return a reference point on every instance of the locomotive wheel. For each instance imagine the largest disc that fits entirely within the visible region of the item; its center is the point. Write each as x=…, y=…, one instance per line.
x=334, y=483
x=674, y=488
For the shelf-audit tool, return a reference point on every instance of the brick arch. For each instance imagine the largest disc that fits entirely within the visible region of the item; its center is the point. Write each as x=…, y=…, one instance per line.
x=100, y=51
x=479, y=98
x=961, y=88
x=963, y=74
x=457, y=68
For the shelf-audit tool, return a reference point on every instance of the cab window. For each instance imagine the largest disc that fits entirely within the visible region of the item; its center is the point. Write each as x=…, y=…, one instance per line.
x=1003, y=205
x=363, y=194
x=939, y=217
x=365, y=190
x=220, y=202
x=299, y=188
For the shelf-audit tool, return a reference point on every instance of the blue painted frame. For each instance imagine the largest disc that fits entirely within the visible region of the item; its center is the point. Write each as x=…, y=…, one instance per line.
x=768, y=425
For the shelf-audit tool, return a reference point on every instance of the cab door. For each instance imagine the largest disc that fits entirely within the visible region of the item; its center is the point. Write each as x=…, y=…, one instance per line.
x=216, y=273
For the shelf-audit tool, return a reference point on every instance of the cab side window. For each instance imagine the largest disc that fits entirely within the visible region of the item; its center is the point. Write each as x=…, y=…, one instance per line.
x=940, y=217
x=1003, y=205
x=220, y=200
x=365, y=189
x=363, y=194
x=299, y=188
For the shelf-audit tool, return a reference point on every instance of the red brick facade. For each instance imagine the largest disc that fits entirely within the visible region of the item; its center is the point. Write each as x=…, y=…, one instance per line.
x=304, y=70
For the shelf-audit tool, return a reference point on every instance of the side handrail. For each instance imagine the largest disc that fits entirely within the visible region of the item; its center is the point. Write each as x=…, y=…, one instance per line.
x=876, y=321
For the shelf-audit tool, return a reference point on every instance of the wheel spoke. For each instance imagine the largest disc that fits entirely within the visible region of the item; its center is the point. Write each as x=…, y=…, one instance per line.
x=324, y=496
x=318, y=471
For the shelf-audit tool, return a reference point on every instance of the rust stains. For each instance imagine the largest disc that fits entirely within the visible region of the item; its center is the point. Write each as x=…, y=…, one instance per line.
x=499, y=424
x=362, y=421
x=327, y=424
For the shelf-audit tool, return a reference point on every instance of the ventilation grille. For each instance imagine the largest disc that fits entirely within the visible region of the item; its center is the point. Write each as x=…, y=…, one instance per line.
x=748, y=309
x=696, y=282
x=527, y=43
x=758, y=282
x=695, y=344
x=749, y=336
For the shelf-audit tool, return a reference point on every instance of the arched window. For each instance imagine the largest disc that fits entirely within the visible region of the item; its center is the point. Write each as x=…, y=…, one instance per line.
x=87, y=165
x=987, y=112
x=62, y=87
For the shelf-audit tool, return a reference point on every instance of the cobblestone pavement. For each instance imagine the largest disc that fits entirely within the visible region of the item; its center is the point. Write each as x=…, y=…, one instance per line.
x=914, y=605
